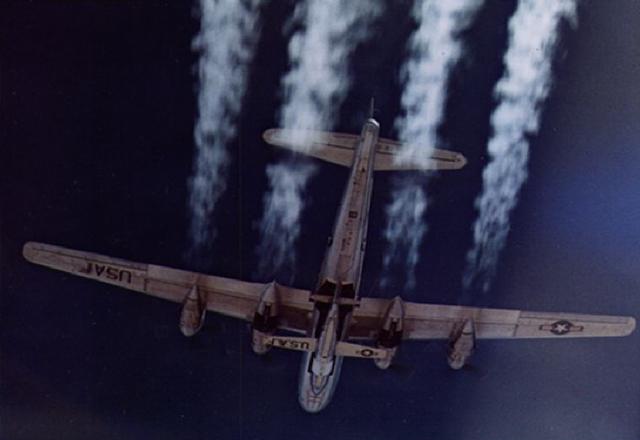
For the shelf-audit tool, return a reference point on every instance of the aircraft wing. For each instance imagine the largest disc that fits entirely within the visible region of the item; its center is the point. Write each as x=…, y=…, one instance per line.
x=434, y=321
x=331, y=147
x=388, y=149
x=338, y=148
x=227, y=296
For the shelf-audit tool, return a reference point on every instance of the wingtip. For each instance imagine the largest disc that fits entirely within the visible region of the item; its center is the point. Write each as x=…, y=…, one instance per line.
x=267, y=135
x=631, y=325
x=29, y=251
x=461, y=160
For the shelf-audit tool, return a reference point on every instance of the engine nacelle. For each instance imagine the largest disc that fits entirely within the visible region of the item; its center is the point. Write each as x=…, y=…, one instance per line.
x=265, y=320
x=390, y=334
x=193, y=312
x=461, y=344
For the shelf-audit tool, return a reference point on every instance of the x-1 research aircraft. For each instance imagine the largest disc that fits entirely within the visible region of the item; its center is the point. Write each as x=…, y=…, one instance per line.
x=331, y=321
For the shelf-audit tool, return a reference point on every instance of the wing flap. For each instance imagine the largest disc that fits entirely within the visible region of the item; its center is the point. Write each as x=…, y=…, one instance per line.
x=434, y=321
x=226, y=296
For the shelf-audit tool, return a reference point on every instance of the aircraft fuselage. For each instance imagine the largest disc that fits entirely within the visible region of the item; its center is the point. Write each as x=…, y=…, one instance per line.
x=339, y=279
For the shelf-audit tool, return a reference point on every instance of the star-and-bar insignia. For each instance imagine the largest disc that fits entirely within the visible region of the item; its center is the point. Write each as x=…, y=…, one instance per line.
x=561, y=327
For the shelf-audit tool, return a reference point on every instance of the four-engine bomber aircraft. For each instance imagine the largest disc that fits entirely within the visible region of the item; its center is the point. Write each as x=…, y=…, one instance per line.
x=332, y=320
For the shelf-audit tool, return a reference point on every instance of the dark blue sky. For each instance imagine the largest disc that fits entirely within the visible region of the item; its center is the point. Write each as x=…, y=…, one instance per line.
x=97, y=105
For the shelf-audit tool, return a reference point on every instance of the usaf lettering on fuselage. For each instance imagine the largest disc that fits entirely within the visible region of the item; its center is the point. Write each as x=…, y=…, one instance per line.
x=106, y=271
x=291, y=344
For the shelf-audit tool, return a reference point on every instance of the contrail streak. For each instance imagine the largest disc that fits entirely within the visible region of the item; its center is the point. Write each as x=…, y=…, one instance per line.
x=226, y=43
x=435, y=47
x=405, y=229
x=314, y=88
x=283, y=206
x=521, y=92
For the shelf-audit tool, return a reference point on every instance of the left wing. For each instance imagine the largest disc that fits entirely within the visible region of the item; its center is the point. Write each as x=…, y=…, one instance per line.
x=434, y=321
x=329, y=146
x=227, y=296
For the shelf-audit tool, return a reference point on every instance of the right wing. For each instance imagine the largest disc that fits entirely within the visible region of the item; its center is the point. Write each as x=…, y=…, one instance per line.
x=226, y=296
x=434, y=321
x=338, y=148
x=439, y=160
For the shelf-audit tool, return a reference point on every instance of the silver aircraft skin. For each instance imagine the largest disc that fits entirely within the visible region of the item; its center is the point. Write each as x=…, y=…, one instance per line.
x=340, y=277
x=332, y=321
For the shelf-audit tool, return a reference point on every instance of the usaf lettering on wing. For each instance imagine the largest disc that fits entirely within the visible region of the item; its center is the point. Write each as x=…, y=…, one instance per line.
x=106, y=271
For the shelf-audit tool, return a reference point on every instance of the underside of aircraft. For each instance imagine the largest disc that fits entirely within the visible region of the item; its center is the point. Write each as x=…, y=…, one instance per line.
x=331, y=321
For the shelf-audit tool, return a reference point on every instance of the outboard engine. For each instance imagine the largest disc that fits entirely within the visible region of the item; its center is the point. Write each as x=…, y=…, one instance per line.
x=461, y=344
x=265, y=320
x=193, y=312
x=390, y=334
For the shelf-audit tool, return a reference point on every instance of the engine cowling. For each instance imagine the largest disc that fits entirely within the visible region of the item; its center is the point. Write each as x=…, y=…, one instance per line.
x=265, y=319
x=461, y=344
x=390, y=334
x=193, y=312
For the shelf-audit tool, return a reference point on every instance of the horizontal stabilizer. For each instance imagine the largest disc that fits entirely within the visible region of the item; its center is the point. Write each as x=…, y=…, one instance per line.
x=291, y=342
x=338, y=148
x=348, y=349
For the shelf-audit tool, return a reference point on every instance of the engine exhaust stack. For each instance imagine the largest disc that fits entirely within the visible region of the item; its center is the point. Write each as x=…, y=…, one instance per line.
x=265, y=320
x=461, y=344
x=194, y=308
x=390, y=334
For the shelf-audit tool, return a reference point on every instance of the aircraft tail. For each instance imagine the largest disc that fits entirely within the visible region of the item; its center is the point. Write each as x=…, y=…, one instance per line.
x=338, y=148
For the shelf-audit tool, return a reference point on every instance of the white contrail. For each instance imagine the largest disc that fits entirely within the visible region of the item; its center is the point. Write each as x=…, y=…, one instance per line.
x=404, y=230
x=226, y=42
x=314, y=88
x=435, y=47
x=533, y=33
x=318, y=80
x=283, y=205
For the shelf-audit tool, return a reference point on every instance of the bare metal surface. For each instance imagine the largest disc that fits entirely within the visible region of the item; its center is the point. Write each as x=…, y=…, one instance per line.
x=329, y=319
